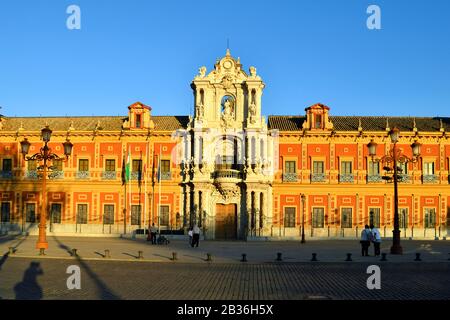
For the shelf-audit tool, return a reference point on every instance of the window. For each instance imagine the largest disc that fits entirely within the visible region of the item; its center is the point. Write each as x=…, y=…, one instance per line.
x=82, y=213
x=318, y=167
x=165, y=165
x=374, y=217
x=403, y=217
x=402, y=168
x=110, y=165
x=318, y=121
x=83, y=165
x=164, y=215
x=6, y=211
x=7, y=165
x=346, y=167
x=346, y=218
x=138, y=121
x=374, y=168
x=55, y=213
x=135, y=215
x=136, y=165
x=289, y=167
x=108, y=214
x=318, y=218
x=289, y=217
x=30, y=212
x=32, y=165
x=428, y=168
x=430, y=218
x=58, y=165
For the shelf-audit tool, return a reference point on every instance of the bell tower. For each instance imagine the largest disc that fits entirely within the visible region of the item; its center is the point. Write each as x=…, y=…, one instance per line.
x=227, y=97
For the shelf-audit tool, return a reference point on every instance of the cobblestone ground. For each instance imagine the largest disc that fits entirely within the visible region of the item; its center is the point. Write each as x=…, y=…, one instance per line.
x=22, y=278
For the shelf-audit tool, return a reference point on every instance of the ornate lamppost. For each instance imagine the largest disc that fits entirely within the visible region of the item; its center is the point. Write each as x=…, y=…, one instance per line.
x=390, y=162
x=303, y=218
x=45, y=154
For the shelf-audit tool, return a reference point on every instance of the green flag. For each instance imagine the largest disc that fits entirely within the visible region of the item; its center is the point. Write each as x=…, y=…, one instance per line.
x=128, y=167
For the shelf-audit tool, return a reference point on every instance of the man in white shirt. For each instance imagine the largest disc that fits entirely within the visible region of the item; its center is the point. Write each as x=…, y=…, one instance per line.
x=376, y=239
x=366, y=237
x=196, y=236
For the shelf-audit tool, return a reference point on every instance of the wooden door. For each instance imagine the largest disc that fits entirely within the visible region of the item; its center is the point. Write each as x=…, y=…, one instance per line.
x=226, y=222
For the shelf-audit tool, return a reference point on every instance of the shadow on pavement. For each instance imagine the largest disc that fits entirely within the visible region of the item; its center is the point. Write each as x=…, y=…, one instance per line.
x=29, y=289
x=104, y=292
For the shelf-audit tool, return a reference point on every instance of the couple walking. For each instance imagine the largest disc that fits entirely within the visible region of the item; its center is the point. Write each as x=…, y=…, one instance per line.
x=194, y=236
x=368, y=235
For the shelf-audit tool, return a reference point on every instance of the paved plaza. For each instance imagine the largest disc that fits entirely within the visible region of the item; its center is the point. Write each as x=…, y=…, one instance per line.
x=25, y=275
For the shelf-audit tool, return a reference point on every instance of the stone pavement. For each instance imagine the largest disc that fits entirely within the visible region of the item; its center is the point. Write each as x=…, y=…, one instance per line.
x=222, y=252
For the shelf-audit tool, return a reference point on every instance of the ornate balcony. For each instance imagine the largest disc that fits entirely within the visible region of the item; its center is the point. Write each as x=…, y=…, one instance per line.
x=374, y=178
x=318, y=177
x=6, y=175
x=109, y=175
x=290, y=177
x=56, y=174
x=33, y=175
x=166, y=175
x=135, y=175
x=346, y=178
x=226, y=174
x=404, y=178
x=430, y=178
x=83, y=175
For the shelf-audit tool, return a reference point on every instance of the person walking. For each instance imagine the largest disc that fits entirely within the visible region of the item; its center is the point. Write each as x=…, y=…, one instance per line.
x=366, y=237
x=191, y=234
x=153, y=231
x=376, y=239
x=196, y=236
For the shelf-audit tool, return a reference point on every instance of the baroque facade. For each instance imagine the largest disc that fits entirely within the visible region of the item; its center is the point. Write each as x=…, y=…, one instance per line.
x=227, y=168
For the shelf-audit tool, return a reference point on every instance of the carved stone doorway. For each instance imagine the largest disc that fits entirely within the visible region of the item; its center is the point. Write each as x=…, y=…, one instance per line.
x=226, y=222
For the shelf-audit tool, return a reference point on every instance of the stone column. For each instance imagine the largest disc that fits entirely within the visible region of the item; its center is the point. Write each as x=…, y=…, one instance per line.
x=257, y=211
x=188, y=206
x=249, y=211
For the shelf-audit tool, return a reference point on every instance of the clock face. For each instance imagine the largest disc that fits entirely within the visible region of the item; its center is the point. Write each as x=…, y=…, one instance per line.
x=227, y=64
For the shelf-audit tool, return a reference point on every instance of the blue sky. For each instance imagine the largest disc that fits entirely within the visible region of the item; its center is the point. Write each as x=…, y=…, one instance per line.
x=149, y=51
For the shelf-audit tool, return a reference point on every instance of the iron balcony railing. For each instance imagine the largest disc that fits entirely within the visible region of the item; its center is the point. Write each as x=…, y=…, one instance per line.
x=374, y=178
x=346, y=178
x=404, y=178
x=32, y=174
x=227, y=174
x=6, y=174
x=166, y=175
x=109, y=175
x=430, y=178
x=290, y=177
x=318, y=177
x=83, y=175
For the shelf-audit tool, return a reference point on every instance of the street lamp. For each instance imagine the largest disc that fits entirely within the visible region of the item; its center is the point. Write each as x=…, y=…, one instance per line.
x=45, y=154
x=395, y=156
x=303, y=218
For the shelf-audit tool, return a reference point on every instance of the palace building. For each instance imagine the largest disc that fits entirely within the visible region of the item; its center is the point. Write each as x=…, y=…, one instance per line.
x=229, y=169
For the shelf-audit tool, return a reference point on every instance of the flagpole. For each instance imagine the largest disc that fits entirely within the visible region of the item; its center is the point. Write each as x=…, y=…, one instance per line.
x=129, y=189
x=145, y=187
x=159, y=177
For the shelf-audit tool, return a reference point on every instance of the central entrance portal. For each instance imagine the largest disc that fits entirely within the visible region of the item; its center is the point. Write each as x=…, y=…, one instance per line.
x=226, y=222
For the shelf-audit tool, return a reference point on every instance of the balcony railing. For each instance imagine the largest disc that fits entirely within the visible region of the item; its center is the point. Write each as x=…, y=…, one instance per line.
x=109, y=175
x=166, y=175
x=32, y=174
x=227, y=174
x=318, y=177
x=346, y=178
x=374, y=178
x=6, y=175
x=56, y=174
x=430, y=178
x=83, y=175
x=135, y=175
x=290, y=177
x=404, y=178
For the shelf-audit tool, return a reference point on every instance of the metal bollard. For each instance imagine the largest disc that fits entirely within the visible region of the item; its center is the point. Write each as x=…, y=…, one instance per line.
x=42, y=252
x=140, y=255
x=106, y=254
x=11, y=250
x=174, y=256
x=279, y=258
x=73, y=253
x=383, y=257
x=417, y=257
x=349, y=257
x=244, y=257
x=208, y=257
x=314, y=257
